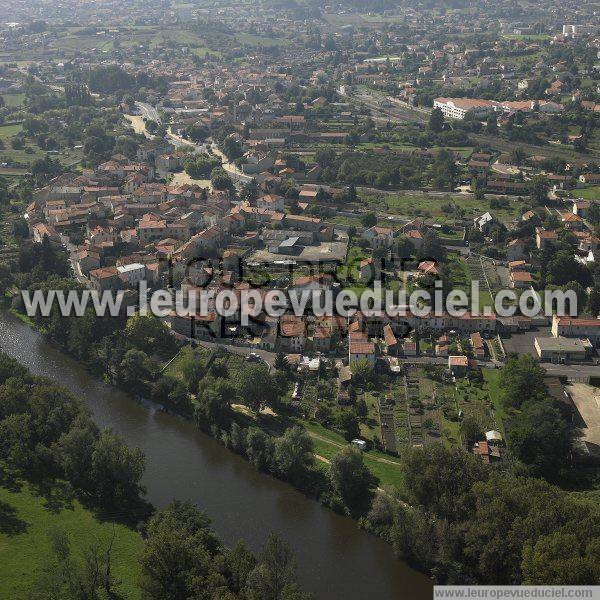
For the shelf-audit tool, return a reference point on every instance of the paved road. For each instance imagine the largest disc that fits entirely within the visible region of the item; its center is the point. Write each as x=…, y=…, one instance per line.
x=148, y=111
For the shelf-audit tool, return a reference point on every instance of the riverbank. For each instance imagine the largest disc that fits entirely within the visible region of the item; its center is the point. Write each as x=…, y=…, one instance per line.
x=335, y=558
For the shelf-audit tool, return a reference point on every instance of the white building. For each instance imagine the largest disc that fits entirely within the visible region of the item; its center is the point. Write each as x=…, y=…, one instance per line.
x=133, y=273
x=457, y=108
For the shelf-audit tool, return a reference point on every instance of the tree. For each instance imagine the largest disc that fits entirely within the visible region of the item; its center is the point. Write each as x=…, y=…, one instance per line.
x=542, y=439
x=293, y=454
x=220, y=180
x=351, y=481
x=232, y=148
x=214, y=403
x=274, y=575
x=349, y=425
x=117, y=471
x=580, y=292
x=470, y=431
x=240, y=562
x=562, y=268
x=199, y=166
x=436, y=120
x=281, y=362
x=63, y=577
x=491, y=126
x=443, y=170
x=150, y=335
x=259, y=448
x=255, y=385
x=538, y=189
x=250, y=192
x=432, y=247
x=441, y=479
x=594, y=300
x=196, y=133
x=171, y=392
x=521, y=379
x=75, y=449
x=134, y=372
x=368, y=219
x=560, y=559
x=178, y=559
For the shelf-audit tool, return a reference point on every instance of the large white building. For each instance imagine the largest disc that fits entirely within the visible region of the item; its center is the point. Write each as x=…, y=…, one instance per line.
x=458, y=108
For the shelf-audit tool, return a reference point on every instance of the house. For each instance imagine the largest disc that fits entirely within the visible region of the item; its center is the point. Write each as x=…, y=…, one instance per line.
x=562, y=349
x=409, y=347
x=104, y=279
x=581, y=208
x=478, y=345
x=391, y=342
x=520, y=279
x=40, y=230
x=428, y=267
x=416, y=239
x=590, y=178
x=379, y=237
x=458, y=365
x=361, y=350
x=292, y=333
x=87, y=261
x=270, y=202
x=367, y=270
x=322, y=339
x=543, y=237
x=484, y=222
x=515, y=250
x=573, y=222
x=488, y=451
x=132, y=274
x=581, y=328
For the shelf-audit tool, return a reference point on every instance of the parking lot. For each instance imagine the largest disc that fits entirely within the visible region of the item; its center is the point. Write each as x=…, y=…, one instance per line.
x=587, y=400
x=522, y=343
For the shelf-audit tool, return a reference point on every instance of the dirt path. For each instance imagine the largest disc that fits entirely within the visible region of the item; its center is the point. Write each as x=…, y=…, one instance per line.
x=378, y=459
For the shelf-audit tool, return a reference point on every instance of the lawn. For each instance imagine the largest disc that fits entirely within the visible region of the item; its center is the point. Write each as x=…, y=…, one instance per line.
x=25, y=522
x=13, y=100
x=8, y=131
x=591, y=193
x=492, y=380
x=388, y=469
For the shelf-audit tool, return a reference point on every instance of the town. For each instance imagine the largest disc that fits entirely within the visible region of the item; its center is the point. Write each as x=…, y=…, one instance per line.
x=236, y=146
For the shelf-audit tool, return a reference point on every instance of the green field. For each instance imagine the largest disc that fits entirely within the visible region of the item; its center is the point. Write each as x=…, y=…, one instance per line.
x=387, y=468
x=9, y=131
x=410, y=204
x=25, y=522
x=13, y=100
x=591, y=193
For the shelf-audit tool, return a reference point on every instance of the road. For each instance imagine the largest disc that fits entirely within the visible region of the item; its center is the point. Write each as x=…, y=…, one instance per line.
x=236, y=174
x=148, y=111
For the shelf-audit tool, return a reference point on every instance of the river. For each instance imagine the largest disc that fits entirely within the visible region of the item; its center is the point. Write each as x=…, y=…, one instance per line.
x=336, y=560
